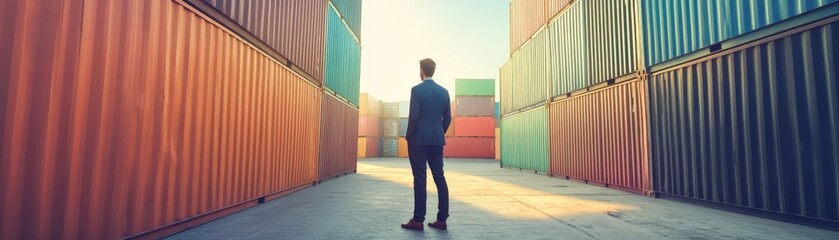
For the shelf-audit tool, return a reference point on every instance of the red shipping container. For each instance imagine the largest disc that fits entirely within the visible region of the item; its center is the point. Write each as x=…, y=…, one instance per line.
x=469, y=147
x=474, y=127
x=372, y=147
x=338, y=133
x=368, y=126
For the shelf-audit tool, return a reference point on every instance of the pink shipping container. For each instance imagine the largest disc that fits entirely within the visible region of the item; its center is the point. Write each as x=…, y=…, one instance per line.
x=338, y=140
x=469, y=147
x=474, y=127
x=368, y=126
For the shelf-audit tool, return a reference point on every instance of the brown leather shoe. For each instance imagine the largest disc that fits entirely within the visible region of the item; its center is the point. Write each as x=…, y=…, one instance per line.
x=438, y=225
x=413, y=225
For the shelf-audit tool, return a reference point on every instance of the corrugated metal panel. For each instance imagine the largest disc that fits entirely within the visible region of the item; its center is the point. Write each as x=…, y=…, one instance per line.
x=390, y=109
x=403, y=126
x=526, y=16
x=293, y=28
x=747, y=16
x=475, y=106
x=568, y=54
x=524, y=138
x=468, y=147
x=497, y=143
x=351, y=12
x=368, y=126
x=757, y=128
x=339, y=130
x=390, y=127
x=497, y=110
x=343, y=59
x=125, y=116
x=611, y=41
x=369, y=106
x=602, y=137
x=389, y=147
x=404, y=109
x=402, y=148
x=362, y=147
x=474, y=87
x=674, y=28
x=524, y=78
x=475, y=126
x=554, y=6
x=373, y=145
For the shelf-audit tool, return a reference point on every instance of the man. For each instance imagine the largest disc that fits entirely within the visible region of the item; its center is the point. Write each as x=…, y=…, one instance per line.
x=428, y=121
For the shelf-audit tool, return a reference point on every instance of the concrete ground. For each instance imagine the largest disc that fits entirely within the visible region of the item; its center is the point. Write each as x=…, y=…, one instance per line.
x=487, y=202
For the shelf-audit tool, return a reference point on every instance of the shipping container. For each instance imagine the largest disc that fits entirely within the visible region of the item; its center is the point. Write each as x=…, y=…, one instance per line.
x=343, y=59
x=756, y=126
x=402, y=148
x=611, y=39
x=369, y=106
x=157, y=119
x=404, y=109
x=475, y=126
x=351, y=12
x=526, y=16
x=524, y=138
x=601, y=138
x=553, y=7
x=391, y=109
x=567, y=52
x=403, y=126
x=390, y=127
x=497, y=110
x=469, y=147
x=373, y=147
x=524, y=78
x=474, y=87
x=293, y=28
x=676, y=28
x=338, y=143
x=474, y=106
x=497, y=143
x=368, y=126
x=362, y=147
x=390, y=147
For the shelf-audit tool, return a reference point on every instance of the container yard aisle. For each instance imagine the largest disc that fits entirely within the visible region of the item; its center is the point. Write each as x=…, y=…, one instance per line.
x=487, y=202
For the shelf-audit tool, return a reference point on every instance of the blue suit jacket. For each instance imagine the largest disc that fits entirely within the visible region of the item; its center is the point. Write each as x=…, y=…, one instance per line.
x=430, y=115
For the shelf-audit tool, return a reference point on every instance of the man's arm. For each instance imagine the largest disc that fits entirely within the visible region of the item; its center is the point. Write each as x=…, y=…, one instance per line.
x=413, y=116
x=447, y=117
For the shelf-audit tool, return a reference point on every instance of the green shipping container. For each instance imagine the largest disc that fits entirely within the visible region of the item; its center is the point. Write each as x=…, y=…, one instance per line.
x=343, y=59
x=474, y=87
x=524, y=138
x=524, y=78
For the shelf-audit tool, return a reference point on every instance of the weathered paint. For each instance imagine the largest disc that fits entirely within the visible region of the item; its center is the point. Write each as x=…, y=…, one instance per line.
x=524, y=137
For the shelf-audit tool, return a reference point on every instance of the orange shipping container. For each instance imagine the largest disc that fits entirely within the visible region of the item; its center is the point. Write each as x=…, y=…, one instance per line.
x=601, y=137
x=475, y=126
x=131, y=118
x=362, y=147
x=338, y=131
x=402, y=148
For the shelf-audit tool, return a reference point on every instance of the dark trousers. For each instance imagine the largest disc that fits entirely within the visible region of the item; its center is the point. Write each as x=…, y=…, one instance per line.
x=419, y=155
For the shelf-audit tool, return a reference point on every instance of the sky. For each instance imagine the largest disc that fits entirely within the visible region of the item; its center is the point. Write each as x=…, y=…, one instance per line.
x=466, y=38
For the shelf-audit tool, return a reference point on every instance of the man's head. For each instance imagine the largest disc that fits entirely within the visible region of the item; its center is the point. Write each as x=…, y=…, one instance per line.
x=427, y=67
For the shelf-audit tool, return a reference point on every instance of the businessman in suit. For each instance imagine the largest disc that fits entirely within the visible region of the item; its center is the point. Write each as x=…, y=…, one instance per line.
x=428, y=121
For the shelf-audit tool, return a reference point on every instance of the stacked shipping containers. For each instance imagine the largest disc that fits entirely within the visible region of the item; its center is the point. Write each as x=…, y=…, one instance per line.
x=474, y=115
x=720, y=102
x=402, y=145
x=390, y=129
x=369, y=127
x=170, y=115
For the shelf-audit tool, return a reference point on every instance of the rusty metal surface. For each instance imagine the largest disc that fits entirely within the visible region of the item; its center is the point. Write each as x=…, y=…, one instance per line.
x=602, y=137
x=121, y=117
x=338, y=137
x=294, y=28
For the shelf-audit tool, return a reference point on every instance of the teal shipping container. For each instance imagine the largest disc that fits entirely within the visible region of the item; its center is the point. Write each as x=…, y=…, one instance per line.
x=474, y=87
x=568, y=53
x=675, y=28
x=350, y=11
x=524, y=78
x=343, y=59
x=524, y=138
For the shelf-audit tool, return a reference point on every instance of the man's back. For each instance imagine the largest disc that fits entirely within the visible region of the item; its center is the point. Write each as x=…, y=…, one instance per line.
x=430, y=114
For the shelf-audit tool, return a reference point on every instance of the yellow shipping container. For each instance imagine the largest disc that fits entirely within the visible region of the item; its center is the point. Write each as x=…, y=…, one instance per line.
x=362, y=147
x=402, y=148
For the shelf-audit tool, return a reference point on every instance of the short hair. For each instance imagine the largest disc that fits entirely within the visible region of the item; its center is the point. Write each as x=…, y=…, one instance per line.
x=427, y=65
